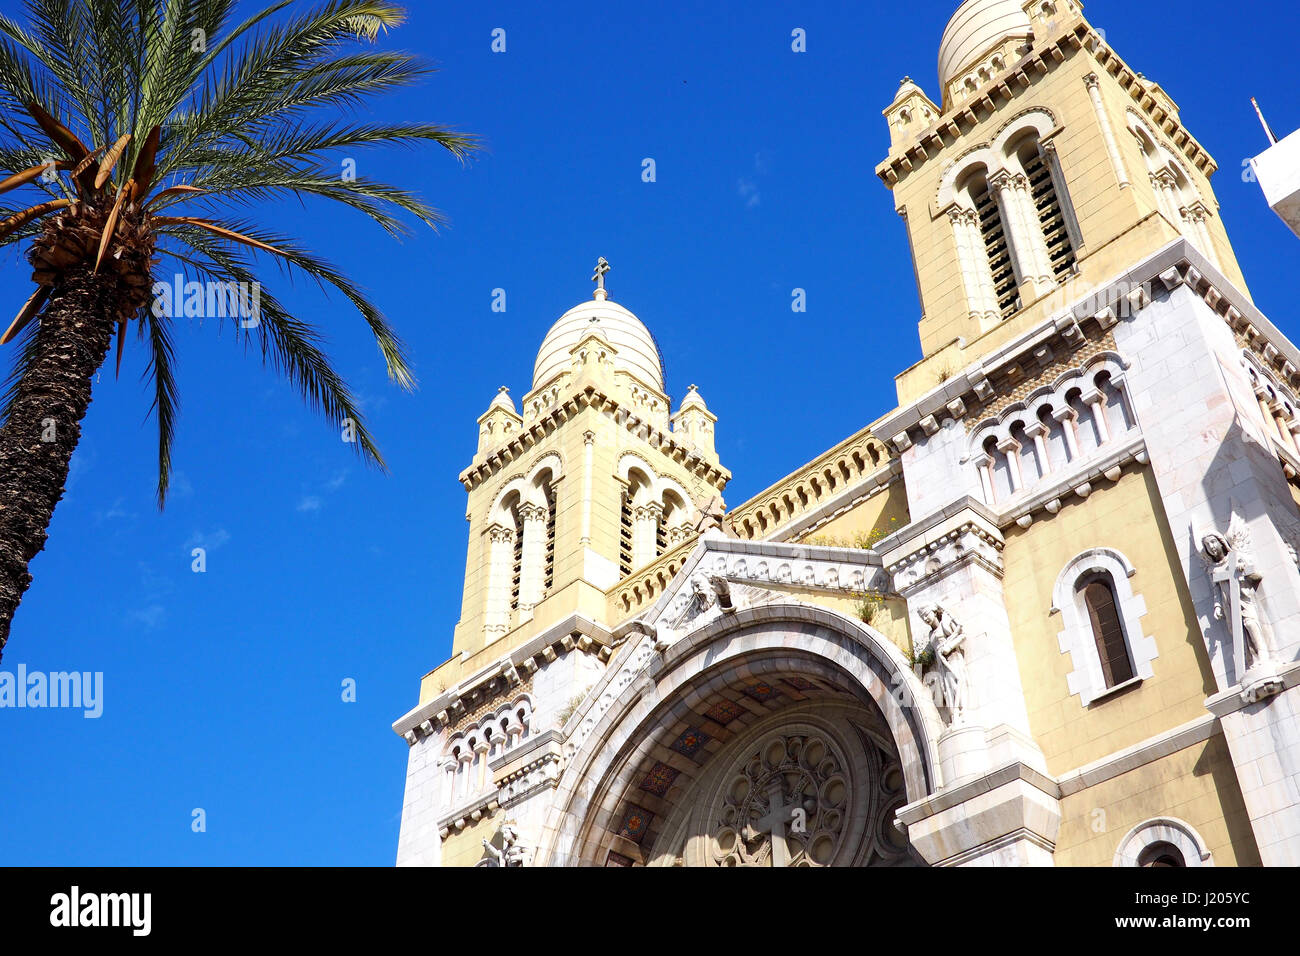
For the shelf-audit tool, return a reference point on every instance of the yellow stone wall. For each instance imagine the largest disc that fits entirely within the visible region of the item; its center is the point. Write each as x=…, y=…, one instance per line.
x=1127, y=517
x=1197, y=785
x=465, y=847
x=879, y=515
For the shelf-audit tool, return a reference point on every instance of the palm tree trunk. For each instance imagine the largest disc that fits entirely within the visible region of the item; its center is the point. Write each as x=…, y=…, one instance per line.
x=44, y=425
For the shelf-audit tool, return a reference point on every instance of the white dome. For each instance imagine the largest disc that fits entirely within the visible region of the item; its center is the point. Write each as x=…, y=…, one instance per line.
x=637, y=352
x=974, y=28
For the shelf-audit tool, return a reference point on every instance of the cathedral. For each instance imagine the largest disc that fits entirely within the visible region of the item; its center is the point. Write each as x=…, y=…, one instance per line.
x=1046, y=611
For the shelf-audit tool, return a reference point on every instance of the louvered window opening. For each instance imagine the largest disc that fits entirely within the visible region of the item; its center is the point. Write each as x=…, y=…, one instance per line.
x=1050, y=217
x=517, y=572
x=550, y=540
x=625, y=539
x=995, y=245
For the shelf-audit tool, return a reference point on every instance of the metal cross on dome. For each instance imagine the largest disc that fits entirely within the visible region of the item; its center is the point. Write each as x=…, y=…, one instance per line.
x=599, y=278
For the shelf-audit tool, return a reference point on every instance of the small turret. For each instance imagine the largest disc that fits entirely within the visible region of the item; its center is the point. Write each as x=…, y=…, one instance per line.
x=500, y=422
x=695, y=422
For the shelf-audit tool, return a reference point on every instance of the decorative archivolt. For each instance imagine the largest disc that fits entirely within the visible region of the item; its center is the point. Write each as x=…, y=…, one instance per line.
x=527, y=488
x=1166, y=841
x=994, y=156
x=656, y=513
x=1083, y=410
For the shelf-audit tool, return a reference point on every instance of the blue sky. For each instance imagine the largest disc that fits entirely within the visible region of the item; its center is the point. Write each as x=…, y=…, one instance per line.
x=223, y=689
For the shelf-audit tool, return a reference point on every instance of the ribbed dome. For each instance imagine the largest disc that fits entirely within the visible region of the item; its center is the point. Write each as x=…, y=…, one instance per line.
x=974, y=28
x=637, y=352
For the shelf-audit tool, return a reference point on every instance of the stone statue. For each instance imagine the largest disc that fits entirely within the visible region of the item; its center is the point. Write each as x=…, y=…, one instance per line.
x=944, y=642
x=1231, y=564
x=702, y=588
x=512, y=852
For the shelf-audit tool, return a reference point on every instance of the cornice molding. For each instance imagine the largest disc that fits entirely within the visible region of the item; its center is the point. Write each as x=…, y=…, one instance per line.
x=592, y=397
x=952, y=125
x=1179, y=263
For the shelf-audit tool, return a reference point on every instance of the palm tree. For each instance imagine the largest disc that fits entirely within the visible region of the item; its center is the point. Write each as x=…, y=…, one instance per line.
x=120, y=110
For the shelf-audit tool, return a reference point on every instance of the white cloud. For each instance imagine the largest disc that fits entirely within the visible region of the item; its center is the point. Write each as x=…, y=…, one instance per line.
x=748, y=191
x=206, y=541
x=149, y=617
x=310, y=503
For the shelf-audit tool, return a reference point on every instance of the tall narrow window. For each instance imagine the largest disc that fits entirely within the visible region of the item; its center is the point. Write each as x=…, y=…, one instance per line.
x=1108, y=632
x=549, y=580
x=517, y=569
x=625, y=537
x=995, y=245
x=1051, y=217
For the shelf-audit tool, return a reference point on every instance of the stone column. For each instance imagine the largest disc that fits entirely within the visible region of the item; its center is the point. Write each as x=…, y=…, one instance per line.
x=1197, y=218
x=532, y=577
x=1024, y=232
x=645, y=529
x=1035, y=243
x=1011, y=449
x=1097, y=400
x=588, y=446
x=1107, y=133
x=977, y=277
x=1068, y=419
x=984, y=465
x=1038, y=432
x=501, y=560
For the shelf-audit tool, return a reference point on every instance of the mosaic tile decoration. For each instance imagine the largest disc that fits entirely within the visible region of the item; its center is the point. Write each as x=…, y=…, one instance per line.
x=799, y=683
x=636, y=821
x=724, y=712
x=690, y=742
x=761, y=691
x=659, y=779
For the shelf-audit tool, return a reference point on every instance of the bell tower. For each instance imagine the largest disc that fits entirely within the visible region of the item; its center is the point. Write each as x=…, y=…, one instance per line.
x=1046, y=168
x=590, y=479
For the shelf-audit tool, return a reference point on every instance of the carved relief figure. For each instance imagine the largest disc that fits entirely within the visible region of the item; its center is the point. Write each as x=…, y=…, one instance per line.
x=1231, y=564
x=949, y=659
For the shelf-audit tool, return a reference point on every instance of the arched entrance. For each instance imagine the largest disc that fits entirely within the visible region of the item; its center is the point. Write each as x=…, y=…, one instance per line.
x=779, y=735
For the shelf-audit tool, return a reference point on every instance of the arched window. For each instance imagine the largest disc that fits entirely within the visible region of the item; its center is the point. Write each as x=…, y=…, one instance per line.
x=517, y=568
x=625, y=535
x=1107, y=629
x=550, y=539
x=520, y=547
x=1163, y=841
x=1050, y=211
x=1161, y=854
x=1102, y=629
